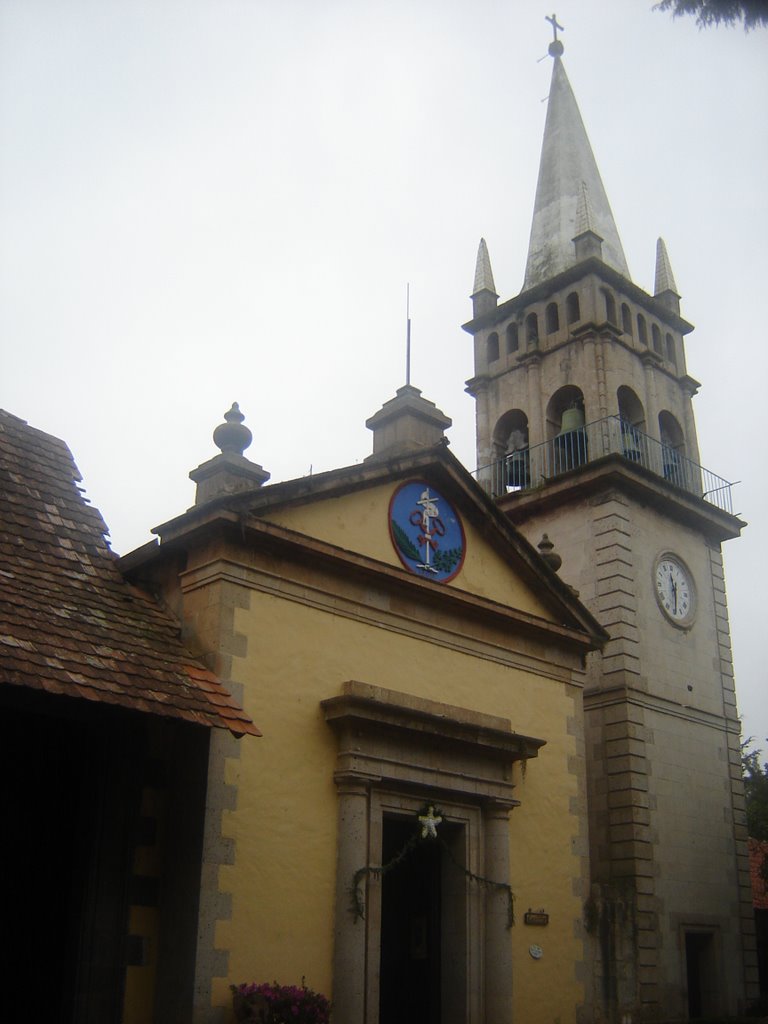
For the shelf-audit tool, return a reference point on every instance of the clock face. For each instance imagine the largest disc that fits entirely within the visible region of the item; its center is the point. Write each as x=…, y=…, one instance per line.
x=674, y=590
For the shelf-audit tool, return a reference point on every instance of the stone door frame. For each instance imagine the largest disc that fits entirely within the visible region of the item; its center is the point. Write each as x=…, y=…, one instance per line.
x=396, y=753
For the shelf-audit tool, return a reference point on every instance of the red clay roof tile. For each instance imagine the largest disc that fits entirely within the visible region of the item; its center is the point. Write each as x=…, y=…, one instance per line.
x=69, y=623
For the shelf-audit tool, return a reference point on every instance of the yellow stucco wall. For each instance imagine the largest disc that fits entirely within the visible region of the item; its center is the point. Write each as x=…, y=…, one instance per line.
x=282, y=882
x=359, y=522
x=291, y=635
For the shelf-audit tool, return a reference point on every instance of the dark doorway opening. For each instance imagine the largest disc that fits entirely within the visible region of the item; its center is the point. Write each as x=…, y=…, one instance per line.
x=700, y=974
x=411, y=913
x=66, y=796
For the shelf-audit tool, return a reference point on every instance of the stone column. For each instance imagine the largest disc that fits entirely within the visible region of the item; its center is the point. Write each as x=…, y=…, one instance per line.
x=651, y=404
x=591, y=389
x=602, y=385
x=349, y=931
x=484, y=454
x=498, y=941
x=689, y=425
x=537, y=466
x=537, y=428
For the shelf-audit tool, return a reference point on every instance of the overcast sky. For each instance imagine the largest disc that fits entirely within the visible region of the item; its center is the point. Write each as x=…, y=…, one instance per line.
x=217, y=200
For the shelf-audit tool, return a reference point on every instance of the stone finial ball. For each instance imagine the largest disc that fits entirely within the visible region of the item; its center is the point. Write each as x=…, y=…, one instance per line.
x=548, y=553
x=232, y=437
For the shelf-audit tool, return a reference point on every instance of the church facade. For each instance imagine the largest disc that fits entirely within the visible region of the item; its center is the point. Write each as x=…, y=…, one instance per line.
x=409, y=832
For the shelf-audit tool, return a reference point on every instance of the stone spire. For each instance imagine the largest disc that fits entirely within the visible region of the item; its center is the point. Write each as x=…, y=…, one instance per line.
x=484, y=294
x=566, y=168
x=665, y=289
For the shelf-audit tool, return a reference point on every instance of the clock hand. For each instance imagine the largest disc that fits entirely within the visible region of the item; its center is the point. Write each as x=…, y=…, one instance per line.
x=674, y=593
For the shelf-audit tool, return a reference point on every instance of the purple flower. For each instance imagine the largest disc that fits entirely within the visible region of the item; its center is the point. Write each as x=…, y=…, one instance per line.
x=275, y=1004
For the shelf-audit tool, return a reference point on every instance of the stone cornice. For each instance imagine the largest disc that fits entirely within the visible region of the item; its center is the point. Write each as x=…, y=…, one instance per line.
x=616, y=471
x=483, y=630
x=620, y=696
x=592, y=265
x=398, y=738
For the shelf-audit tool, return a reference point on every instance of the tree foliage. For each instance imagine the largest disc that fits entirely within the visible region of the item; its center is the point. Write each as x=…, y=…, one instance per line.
x=755, y=791
x=750, y=13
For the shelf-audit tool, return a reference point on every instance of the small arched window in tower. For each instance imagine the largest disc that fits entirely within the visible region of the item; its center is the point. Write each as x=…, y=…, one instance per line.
x=642, y=330
x=492, y=347
x=626, y=319
x=656, y=335
x=532, y=330
x=513, y=338
x=671, y=356
x=553, y=318
x=610, y=307
x=572, y=308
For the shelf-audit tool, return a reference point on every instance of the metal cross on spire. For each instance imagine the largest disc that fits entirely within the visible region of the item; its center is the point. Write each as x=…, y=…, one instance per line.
x=552, y=19
x=555, y=47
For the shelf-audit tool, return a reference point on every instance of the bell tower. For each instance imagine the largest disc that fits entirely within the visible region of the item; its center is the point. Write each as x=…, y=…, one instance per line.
x=586, y=431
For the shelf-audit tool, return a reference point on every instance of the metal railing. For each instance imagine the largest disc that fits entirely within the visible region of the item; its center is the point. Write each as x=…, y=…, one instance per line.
x=530, y=467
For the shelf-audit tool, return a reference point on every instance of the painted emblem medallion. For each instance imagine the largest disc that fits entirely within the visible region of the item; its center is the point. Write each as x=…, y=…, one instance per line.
x=426, y=531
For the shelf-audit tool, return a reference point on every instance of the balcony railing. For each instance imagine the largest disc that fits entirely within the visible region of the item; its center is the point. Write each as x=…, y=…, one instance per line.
x=530, y=467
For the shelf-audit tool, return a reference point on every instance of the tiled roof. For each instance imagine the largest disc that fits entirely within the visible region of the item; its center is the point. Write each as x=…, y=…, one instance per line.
x=758, y=857
x=69, y=623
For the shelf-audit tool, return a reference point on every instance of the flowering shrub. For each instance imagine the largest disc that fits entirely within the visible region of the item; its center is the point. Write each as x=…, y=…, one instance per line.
x=279, y=1004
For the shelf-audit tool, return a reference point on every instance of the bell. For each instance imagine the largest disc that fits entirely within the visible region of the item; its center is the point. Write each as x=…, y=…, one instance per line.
x=573, y=419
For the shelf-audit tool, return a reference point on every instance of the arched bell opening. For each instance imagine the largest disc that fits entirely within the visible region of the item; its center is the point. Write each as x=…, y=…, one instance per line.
x=510, y=449
x=565, y=410
x=632, y=423
x=565, y=428
x=672, y=449
x=631, y=408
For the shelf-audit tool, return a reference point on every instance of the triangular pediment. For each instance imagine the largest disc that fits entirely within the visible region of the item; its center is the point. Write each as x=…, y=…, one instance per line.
x=424, y=517
x=348, y=519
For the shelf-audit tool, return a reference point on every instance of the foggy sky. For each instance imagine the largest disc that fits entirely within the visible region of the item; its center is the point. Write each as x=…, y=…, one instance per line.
x=218, y=200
